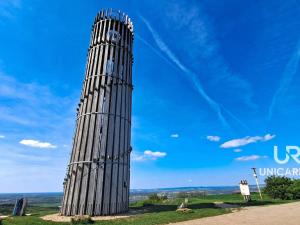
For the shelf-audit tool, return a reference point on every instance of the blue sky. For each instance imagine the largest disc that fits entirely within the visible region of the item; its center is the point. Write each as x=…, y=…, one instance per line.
x=216, y=87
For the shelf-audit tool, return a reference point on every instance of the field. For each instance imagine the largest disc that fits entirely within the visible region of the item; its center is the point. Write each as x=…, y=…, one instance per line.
x=152, y=211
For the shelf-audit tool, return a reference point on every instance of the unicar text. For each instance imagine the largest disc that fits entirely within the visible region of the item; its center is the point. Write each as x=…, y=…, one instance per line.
x=286, y=172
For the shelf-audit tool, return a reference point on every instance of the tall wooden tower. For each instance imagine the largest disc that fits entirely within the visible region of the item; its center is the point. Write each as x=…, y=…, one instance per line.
x=98, y=175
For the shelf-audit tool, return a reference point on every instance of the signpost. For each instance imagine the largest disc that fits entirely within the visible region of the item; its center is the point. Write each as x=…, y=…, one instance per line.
x=256, y=179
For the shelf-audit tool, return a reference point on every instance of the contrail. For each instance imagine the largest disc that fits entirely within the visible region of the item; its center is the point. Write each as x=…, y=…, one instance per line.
x=287, y=77
x=192, y=77
x=154, y=50
x=235, y=118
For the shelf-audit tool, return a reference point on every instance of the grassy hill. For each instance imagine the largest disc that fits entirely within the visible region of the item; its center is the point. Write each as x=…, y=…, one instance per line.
x=151, y=211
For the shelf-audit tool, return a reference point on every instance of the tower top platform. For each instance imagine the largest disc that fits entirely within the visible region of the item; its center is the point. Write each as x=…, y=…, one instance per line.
x=114, y=15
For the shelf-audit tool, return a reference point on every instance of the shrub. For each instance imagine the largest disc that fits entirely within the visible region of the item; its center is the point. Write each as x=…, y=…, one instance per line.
x=182, y=194
x=163, y=197
x=147, y=203
x=155, y=197
x=279, y=187
x=193, y=194
x=294, y=189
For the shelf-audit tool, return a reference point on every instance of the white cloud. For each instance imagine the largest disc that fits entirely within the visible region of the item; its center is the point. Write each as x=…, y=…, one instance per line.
x=148, y=155
x=250, y=158
x=174, y=135
x=2, y=136
x=246, y=140
x=155, y=154
x=268, y=137
x=240, y=142
x=37, y=144
x=237, y=150
x=213, y=138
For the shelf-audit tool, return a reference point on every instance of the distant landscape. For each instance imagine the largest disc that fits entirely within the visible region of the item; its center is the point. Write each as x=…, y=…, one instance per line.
x=54, y=198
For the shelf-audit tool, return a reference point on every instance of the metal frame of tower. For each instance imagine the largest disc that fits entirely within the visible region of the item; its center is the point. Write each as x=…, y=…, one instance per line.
x=98, y=175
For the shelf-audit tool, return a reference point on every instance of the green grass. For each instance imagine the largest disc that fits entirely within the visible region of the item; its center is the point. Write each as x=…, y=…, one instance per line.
x=154, y=212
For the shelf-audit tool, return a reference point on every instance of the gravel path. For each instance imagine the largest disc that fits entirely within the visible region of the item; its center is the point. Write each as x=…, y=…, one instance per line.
x=285, y=214
x=57, y=218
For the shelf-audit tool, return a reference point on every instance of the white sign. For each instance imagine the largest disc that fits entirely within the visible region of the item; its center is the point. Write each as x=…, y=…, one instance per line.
x=245, y=189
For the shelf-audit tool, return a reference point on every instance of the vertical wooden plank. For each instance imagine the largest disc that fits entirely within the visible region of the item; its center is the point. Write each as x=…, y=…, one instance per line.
x=101, y=172
x=121, y=132
x=129, y=88
x=110, y=138
x=123, y=137
x=129, y=118
x=95, y=193
x=116, y=136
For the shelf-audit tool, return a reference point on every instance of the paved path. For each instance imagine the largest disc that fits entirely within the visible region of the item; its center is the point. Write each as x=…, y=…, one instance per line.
x=285, y=214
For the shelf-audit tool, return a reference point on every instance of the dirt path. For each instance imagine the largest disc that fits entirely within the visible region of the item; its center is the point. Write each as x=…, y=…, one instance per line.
x=285, y=214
